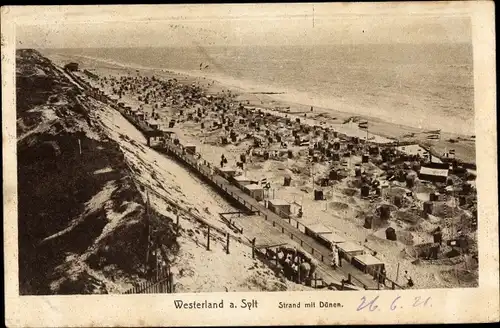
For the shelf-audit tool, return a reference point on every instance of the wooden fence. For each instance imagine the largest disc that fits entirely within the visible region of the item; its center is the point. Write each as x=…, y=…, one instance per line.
x=227, y=217
x=292, y=223
x=162, y=284
x=317, y=253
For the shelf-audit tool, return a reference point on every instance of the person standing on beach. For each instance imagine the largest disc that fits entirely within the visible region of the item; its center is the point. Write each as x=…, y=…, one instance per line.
x=339, y=258
x=314, y=265
x=408, y=279
x=335, y=257
x=222, y=161
x=382, y=276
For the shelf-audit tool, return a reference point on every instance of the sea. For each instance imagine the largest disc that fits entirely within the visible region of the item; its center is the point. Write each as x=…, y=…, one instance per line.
x=428, y=86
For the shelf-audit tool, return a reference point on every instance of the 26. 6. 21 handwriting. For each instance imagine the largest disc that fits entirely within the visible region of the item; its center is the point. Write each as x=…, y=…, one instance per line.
x=395, y=304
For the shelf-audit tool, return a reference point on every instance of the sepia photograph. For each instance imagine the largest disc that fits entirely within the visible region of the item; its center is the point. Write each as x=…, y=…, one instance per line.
x=249, y=148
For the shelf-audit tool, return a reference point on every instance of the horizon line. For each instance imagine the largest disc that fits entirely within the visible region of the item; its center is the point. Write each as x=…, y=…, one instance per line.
x=254, y=45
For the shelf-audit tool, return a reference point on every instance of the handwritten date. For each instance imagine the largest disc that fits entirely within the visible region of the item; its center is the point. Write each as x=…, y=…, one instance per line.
x=397, y=303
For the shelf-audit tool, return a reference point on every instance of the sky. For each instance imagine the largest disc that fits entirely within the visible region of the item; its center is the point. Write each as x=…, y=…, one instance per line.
x=224, y=25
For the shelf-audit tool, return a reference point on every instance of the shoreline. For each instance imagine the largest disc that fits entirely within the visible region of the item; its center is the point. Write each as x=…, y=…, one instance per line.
x=269, y=100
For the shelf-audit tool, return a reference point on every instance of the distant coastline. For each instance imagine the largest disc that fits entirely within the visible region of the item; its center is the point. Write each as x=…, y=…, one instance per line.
x=401, y=84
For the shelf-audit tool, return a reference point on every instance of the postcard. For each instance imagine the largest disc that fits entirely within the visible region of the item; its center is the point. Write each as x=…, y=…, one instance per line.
x=250, y=164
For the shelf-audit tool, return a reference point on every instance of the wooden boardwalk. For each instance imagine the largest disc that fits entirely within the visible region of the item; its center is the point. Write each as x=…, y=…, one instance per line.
x=270, y=220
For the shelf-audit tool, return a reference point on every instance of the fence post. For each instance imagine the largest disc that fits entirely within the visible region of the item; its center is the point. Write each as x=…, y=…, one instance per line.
x=253, y=248
x=397, y=273
x=208, y=239
x=297, y=224
x=171, y=280
x=177, y=224
x=227, y=243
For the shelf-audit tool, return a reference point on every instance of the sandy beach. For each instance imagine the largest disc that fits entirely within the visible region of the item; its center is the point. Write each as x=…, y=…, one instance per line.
x=269, y=100
x=342, y=210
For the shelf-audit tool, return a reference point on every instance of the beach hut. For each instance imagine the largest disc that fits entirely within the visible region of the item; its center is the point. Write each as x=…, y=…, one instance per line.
x=333, y=239
x=373, y=150
x=368, y=222
x=333, y=175
x=326, y=236
x=113, y=99
x=131, y=110
x=190, y=149
x=398, y=201
x=390, y=234
x=385, y=211
x=466, y=188
x=243, y=180
x=365, y=190
x=71, y=67
x=316, y=229
x=318, y=195
x=255, y=191
x=153, y=124
x=410, y=181
x=433, y=174
x=227, y=172
x=434, y=196
x=349, y=249
x=427, y=208
x=154, y=137
x=279, y=206
x=368, y=264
